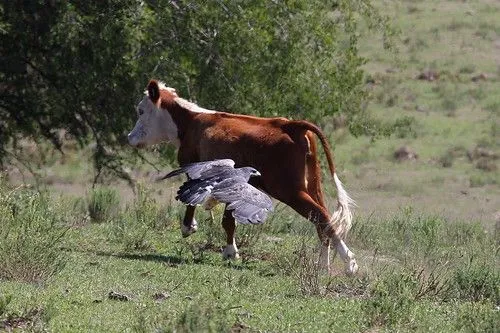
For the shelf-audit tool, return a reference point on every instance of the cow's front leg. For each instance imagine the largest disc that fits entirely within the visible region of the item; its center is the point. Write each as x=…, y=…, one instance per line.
x=229, y=225
x=189, y=224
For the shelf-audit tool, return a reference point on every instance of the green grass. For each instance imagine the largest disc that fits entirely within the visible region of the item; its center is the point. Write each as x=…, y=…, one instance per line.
x=417, y=272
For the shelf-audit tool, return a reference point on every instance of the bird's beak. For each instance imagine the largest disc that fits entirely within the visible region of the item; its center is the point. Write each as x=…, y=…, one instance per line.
x=257, y=173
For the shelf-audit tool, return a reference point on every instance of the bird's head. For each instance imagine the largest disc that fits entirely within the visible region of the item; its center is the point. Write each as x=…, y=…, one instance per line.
x=253, y=172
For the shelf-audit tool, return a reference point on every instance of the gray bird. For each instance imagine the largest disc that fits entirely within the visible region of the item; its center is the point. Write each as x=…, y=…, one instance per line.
x=219, y=180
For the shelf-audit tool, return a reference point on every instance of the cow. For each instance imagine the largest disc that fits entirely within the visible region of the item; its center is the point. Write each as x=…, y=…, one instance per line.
x=284, y=151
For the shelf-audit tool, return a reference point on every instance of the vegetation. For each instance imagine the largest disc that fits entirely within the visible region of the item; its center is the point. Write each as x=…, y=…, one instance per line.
x=426, y=231
x=31, y=233
x=296, y=59
x=419, y=273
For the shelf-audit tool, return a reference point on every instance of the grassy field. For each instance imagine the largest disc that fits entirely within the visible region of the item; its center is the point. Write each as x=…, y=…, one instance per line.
x=426, y=233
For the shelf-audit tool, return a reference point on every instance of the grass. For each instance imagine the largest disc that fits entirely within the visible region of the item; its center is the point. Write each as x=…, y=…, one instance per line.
x=426, y=236
x=103, y=204
x=31, y=231
x=417, y=272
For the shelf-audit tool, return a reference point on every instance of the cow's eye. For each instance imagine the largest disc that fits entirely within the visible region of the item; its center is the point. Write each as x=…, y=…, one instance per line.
x=141, y=112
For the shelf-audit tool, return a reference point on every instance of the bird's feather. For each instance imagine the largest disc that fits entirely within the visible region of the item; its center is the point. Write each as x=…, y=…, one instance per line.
x=220, y=180
x=196, y=170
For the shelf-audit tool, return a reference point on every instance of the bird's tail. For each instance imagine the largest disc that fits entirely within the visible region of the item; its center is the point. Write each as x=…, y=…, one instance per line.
x=170, y=174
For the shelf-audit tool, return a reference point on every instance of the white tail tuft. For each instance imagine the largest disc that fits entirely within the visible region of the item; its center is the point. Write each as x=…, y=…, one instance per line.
x=342, y=217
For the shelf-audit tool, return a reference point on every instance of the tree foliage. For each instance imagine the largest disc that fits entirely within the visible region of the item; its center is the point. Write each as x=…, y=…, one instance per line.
x=82, y=65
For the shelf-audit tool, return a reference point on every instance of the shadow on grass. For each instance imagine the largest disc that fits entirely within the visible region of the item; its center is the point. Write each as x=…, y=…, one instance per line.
x=171, y=260
x=167, y=259
x=174, y=261
x=199, y=258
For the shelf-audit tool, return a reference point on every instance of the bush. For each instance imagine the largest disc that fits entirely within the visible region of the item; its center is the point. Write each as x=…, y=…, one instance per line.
x=131, y=228
x=203, y=318
x=477, y=318
x=31, y=234
x=476, y=282
x=104, y=204
x=391, y=299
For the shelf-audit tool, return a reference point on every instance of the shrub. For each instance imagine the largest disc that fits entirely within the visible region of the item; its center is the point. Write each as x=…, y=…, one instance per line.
x=203, y=318
x=391, y=299
x=196, y=317
x=31, y=234
x=476, y=282
x=104, y=204
x=302, y=264
x=477, y=318
x=132, y=226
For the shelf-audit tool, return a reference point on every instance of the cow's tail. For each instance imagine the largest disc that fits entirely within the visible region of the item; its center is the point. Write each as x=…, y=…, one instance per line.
x=342, y=217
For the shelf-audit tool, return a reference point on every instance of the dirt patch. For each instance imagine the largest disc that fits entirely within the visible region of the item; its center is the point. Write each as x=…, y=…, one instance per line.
x=483, y=158
x=405, y=153
x=428, y=75
x=25, y=321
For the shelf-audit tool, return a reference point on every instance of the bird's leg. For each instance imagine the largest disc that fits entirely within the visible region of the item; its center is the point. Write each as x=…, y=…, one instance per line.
x=189, y=224
x=229, y=225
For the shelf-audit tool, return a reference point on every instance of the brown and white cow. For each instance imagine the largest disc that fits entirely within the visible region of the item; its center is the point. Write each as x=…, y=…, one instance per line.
x=284, y=151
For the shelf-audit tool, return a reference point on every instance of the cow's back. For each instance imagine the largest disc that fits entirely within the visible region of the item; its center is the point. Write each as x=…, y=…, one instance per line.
x=262, y=143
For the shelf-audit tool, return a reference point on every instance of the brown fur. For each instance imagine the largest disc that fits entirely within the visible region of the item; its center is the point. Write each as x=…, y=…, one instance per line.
x=284, y=151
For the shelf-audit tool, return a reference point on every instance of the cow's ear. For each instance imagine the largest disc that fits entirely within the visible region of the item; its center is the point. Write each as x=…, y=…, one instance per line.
x=154, y=91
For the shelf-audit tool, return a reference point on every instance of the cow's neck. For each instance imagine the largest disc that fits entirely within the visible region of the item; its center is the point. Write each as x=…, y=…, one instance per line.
x=179, y=120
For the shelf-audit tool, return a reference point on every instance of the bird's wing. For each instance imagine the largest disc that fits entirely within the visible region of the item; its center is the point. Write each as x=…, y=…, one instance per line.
x=249, y=205
x=201, y=169
x=194, y=191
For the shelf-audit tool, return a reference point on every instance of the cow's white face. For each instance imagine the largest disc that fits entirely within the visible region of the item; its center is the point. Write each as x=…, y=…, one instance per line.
x=155, y=124
x=147, y=131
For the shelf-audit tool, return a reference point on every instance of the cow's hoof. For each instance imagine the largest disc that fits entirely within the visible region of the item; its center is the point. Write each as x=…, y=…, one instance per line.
x=230, y=252
x=351, y=267
x=189, y=230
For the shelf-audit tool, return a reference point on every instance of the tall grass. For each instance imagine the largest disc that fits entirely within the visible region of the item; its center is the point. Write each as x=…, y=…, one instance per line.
x=143, y=216
x=31, y=233
x=103, y=204
x=432, y=257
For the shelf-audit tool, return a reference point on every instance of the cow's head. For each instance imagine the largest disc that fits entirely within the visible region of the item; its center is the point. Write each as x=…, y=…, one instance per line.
x=155, y=124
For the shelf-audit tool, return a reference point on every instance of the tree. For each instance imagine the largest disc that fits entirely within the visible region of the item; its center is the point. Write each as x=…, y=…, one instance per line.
x=81, y=65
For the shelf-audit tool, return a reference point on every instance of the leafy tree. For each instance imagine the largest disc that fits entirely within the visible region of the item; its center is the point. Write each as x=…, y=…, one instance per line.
x=81, y=65
x=271, y=58
x=72, y=66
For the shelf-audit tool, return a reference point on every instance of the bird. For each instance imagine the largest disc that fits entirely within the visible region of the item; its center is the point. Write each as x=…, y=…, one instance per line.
x=219, y=180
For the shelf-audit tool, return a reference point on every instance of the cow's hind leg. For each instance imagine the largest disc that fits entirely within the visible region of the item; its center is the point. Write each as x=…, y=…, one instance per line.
x=350, y=264
x=229, y=225
x=189, y=224
x=307, y=207
x=313, y=172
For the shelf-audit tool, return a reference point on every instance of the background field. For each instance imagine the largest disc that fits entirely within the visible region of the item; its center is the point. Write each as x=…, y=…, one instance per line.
x=426, y=231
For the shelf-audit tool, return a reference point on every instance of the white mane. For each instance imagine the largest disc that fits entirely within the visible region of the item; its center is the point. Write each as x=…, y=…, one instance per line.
x=191, y=106
x=181, y=101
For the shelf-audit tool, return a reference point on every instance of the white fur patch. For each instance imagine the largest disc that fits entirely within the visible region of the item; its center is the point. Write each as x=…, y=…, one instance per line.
x=191, y=106
x=162, y=86
x=188, y=230
x=347, y=256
